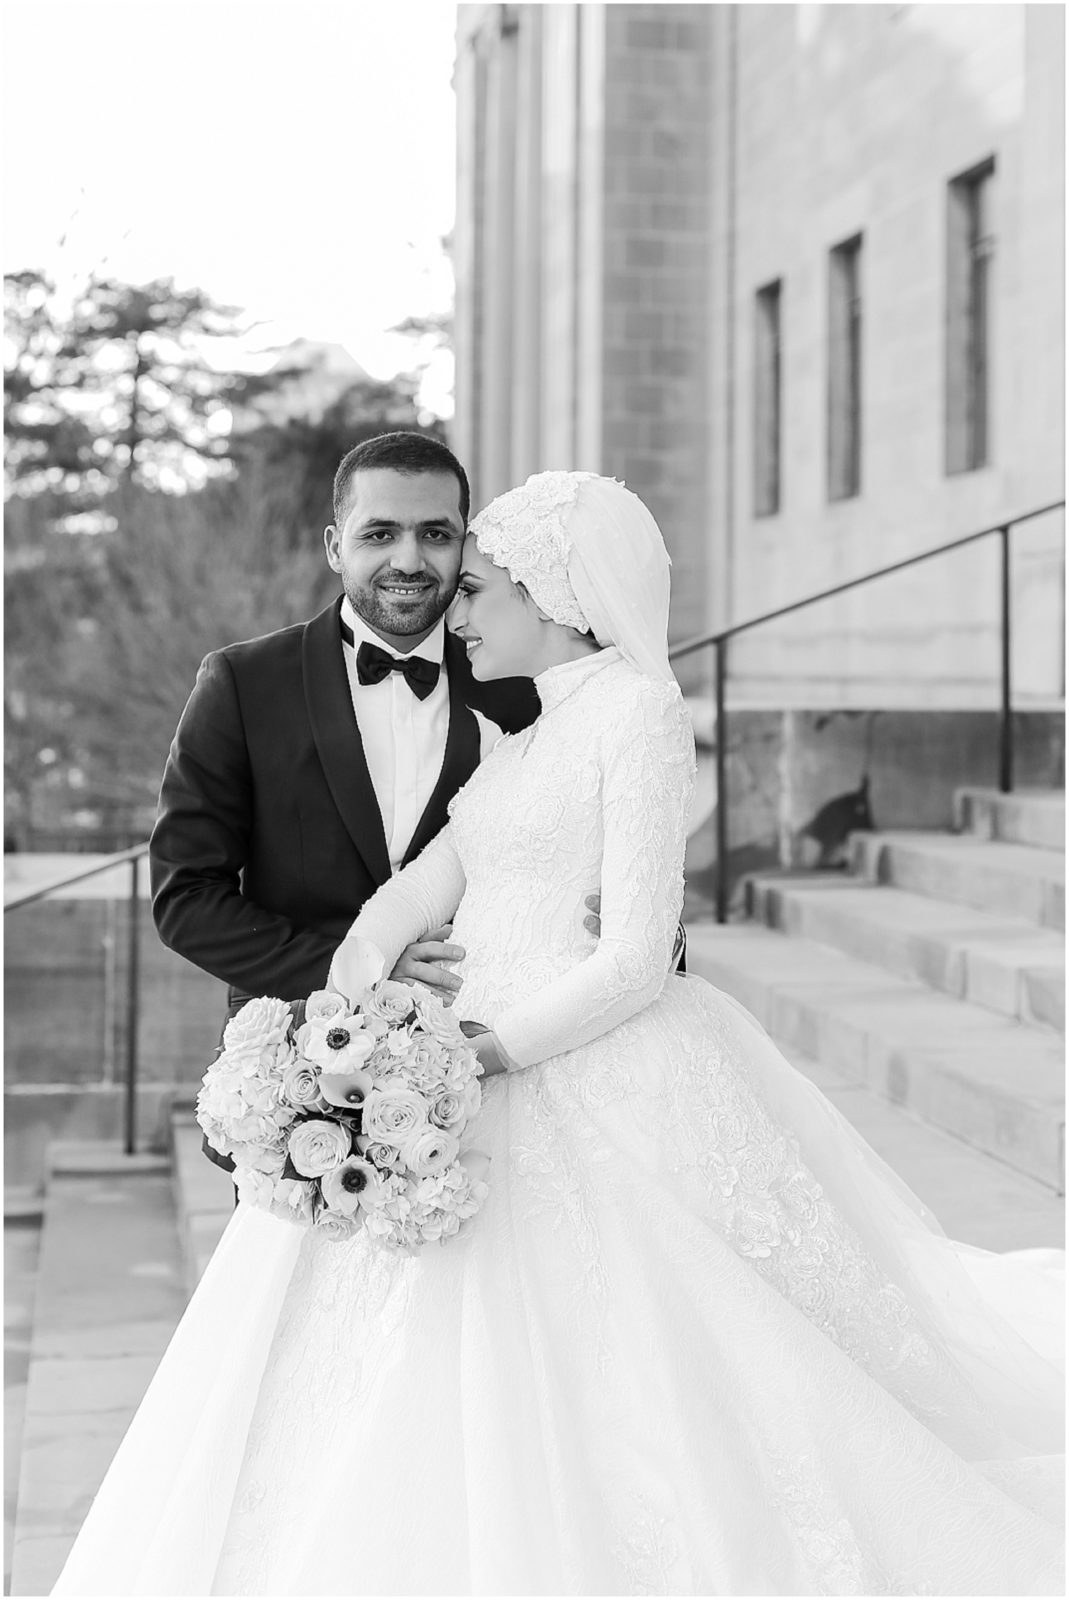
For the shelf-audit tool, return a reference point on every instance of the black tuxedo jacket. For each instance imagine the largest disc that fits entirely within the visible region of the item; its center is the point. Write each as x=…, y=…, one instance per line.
x=268, y=838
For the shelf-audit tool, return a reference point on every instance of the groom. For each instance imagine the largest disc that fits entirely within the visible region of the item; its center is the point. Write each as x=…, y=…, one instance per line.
x=310, y=764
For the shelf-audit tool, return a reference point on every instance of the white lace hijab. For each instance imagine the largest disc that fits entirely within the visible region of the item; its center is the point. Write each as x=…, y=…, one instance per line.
x=591, y=557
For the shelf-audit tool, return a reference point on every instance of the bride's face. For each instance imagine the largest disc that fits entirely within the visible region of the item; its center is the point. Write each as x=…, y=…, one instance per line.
x=501, y=627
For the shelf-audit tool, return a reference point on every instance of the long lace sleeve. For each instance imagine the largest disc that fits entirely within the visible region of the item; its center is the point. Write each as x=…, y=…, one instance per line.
x=423, y=896
x=647, y=782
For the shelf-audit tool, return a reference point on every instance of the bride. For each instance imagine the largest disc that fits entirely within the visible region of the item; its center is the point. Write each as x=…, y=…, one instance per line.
x=700, y=1339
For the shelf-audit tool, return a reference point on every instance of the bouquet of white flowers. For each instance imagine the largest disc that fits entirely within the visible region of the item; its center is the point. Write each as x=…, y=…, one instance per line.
x=344, y=1114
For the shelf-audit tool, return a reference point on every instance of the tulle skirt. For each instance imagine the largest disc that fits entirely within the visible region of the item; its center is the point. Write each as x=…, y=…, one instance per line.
x=700, y=1340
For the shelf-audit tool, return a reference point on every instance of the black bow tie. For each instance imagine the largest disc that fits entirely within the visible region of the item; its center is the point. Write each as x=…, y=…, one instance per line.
x=373, y=664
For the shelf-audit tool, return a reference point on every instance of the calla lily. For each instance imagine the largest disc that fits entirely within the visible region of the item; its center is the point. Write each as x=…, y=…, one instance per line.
x=346, y=1089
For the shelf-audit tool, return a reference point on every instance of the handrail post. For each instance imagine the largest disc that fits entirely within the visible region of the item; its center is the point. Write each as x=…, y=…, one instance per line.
x=1005, y=758
x=721, y=782
x=133, y=982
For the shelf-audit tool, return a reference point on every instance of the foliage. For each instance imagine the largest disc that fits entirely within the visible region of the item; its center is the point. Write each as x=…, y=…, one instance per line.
x=293, y=462
x=116, y=588
x=116, y=388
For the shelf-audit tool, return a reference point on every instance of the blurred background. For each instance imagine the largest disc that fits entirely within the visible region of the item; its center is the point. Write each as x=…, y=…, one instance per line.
x=796, y=274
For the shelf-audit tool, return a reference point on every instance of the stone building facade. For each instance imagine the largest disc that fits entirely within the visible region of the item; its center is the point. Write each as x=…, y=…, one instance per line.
x=795, y=273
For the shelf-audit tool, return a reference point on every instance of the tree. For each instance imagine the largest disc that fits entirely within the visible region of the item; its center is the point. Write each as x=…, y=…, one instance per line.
x=110, y=611
x=292, y=462
x=117, y=389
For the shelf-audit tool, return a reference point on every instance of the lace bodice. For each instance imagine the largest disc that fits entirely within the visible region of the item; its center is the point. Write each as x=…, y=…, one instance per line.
x=593, y=797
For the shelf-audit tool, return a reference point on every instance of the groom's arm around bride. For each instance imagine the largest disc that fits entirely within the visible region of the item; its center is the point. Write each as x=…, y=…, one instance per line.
x=296, y=783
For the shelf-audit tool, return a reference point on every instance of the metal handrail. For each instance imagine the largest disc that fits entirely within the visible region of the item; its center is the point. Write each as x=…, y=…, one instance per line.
x=133, y=966
x=719, y=641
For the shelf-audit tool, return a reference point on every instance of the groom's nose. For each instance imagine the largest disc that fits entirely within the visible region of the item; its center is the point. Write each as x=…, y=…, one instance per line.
x=407, y=553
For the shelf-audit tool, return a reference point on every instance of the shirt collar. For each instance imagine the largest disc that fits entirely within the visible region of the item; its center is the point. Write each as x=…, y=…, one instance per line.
x=431, y=649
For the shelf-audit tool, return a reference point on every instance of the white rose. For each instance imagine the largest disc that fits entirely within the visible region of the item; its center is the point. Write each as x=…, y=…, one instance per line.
x=324, y=1005
x=449, y=1110
x=381, y=1155
x=330, y=1225
x=437, y=1021
x=390, y=1001
x=391, y=1115
x=300, y=1086
x=317, y=1146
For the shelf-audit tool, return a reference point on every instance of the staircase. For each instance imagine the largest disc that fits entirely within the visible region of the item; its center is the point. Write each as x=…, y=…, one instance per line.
x=933, y=973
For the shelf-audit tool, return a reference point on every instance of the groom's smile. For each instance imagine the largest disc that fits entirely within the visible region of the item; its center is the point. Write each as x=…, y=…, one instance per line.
x=398, y=551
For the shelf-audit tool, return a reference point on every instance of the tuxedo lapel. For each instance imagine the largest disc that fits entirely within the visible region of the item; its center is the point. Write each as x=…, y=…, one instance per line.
x=338, y=742
x=461, y=752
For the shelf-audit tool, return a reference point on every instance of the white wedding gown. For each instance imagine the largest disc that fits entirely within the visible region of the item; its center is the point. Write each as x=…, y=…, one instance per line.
x=700, y=1340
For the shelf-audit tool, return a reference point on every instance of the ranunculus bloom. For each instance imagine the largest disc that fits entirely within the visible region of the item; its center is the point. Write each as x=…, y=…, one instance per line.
x=393, y=1114
x=340, y=1045
x=261, y=1022
x=317, y=1146
x=323, y=1005
x=343, y=1187
x=429, y=1151
x=348, y=1089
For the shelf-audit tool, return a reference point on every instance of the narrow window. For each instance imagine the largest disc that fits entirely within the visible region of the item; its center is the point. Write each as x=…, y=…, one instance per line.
x=767, y=399
x=970, y=249
x=844, y=370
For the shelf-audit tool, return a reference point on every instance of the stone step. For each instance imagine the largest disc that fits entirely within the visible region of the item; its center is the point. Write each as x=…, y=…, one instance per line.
x=1032, y=817
x=1015, y=880
x=109, y=1294
x=977, y=1200
x=1008, y=966
x=204, y=1196
x=994, y=1083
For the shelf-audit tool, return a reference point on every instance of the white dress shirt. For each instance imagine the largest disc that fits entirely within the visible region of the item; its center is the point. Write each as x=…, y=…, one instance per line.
x=403, y=736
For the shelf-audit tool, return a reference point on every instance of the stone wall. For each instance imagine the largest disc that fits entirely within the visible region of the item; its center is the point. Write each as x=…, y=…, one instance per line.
x=784, y=766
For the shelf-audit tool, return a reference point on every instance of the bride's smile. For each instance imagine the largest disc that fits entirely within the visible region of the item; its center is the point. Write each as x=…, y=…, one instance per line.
x=504, y=632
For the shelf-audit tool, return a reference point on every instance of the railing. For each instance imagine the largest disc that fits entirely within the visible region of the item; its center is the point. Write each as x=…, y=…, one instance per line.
x=133, y=967
x=720, y=640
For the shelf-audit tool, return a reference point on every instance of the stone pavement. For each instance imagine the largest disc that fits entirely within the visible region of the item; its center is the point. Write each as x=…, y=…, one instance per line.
x=122, y=1252
x=109, y=1292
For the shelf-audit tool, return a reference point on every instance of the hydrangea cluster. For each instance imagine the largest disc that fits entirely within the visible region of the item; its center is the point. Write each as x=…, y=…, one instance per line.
x=352, y=1116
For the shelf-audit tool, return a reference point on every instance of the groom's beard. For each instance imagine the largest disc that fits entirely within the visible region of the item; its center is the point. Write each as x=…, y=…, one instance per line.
x=397, y=614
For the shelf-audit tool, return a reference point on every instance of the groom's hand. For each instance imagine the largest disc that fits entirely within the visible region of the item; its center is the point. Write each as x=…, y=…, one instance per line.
x=423, y=963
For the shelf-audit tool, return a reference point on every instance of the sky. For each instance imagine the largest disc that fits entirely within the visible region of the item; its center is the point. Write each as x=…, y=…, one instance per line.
x=295, y=159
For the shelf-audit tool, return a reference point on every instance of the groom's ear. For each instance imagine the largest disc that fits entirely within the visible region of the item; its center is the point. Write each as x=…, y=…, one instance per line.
x=332, y=543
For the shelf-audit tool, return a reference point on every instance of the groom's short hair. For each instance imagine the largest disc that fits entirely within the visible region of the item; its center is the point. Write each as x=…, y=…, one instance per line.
x=400, y=452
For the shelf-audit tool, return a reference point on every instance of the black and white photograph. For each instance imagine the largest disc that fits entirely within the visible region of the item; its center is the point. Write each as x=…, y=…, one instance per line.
x=534, y=807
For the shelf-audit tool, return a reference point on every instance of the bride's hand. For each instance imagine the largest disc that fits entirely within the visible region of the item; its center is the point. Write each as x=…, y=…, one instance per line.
x=423, y=963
